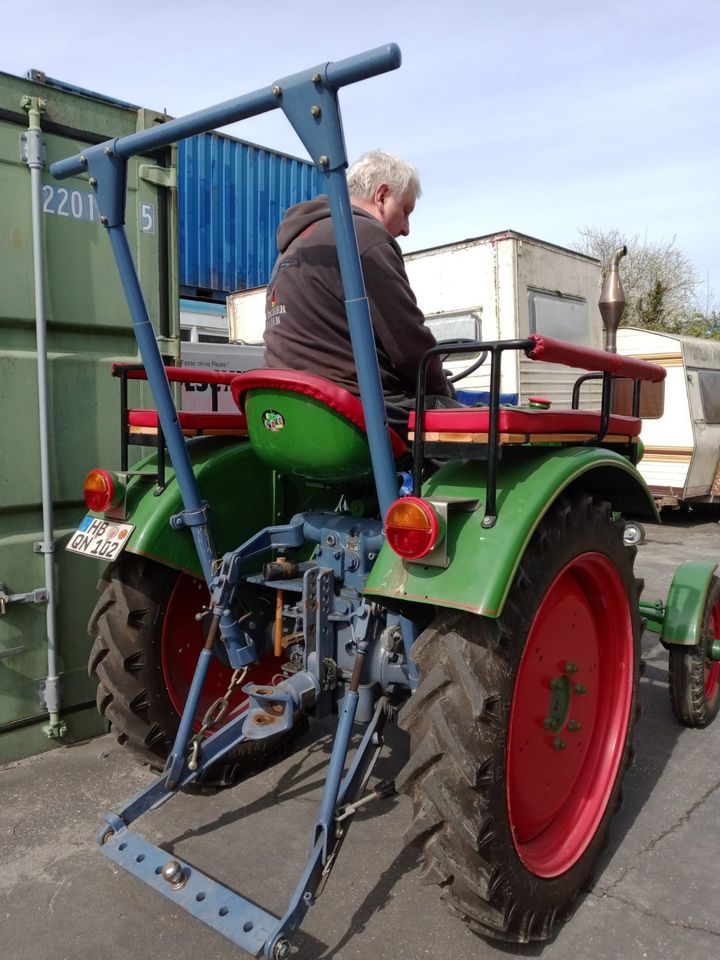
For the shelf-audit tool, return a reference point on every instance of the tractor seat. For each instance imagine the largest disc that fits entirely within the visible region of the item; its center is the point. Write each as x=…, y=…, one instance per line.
x=521, y=426
x=305, y=425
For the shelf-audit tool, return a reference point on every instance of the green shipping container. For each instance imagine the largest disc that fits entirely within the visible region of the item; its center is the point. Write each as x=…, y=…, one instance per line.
x=88, y=327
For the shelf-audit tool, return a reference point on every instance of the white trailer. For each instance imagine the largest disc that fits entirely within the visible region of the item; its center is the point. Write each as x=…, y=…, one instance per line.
x=682, y=447
x=501, y=286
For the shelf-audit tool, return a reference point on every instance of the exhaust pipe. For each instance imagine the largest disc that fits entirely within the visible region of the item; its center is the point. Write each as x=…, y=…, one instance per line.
x=612, y=301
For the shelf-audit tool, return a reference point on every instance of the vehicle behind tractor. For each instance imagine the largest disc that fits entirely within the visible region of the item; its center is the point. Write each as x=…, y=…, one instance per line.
x=297, y=559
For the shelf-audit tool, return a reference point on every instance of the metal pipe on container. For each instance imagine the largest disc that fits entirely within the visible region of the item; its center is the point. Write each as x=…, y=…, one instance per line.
x=36, y=163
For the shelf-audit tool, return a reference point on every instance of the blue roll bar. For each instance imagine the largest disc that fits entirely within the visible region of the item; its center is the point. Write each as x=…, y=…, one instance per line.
x=309, y=100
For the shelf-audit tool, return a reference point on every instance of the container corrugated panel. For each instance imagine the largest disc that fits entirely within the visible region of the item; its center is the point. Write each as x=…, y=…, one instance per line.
x=231, y=197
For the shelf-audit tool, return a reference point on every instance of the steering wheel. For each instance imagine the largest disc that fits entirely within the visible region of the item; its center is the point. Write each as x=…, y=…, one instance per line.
x=468, y=370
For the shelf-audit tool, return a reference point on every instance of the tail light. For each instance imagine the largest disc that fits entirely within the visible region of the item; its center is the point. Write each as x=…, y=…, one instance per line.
x=102, y=490
x=413, y=527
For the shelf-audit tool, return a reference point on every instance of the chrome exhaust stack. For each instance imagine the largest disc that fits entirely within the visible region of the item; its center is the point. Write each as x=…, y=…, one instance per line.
x=612, y=300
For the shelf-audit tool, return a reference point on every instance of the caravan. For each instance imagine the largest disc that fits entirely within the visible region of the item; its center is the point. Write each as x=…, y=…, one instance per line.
x=681, y=463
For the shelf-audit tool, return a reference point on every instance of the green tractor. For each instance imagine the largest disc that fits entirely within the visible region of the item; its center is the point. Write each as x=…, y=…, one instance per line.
x=297, y=559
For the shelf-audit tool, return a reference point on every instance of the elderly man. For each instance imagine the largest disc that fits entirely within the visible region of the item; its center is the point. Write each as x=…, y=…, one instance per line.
x=306, y=326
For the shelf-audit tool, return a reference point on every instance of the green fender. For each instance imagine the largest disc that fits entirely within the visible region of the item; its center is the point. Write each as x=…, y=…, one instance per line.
x=685, y=605
x=482, y=562
x=243, y=496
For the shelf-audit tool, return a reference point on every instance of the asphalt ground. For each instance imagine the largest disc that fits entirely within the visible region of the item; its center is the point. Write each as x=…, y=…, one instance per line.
x=656, y=893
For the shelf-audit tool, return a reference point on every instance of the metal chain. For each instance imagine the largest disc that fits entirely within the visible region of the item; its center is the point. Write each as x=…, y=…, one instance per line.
x=213, y=715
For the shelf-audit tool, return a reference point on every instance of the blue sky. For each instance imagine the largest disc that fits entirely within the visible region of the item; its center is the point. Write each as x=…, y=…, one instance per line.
x=541, y=117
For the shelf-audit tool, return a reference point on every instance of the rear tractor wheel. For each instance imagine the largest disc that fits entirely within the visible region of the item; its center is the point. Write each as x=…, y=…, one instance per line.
x=694, y=676
x=147, y=642
x=520, y=729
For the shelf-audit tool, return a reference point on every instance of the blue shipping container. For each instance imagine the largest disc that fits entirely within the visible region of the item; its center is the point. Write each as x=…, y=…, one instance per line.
x=231, y=197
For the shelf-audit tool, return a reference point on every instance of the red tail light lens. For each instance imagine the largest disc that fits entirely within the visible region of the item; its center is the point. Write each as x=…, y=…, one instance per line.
x=102, y=490
x=412, y=527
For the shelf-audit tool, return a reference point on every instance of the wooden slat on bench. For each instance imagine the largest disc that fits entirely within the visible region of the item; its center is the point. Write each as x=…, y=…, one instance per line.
x=507, y=438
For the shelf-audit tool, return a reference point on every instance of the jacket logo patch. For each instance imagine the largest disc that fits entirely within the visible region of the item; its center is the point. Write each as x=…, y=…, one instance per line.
x=272, y=420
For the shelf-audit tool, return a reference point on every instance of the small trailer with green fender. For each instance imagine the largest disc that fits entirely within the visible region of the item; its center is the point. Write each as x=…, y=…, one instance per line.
x=297, y=558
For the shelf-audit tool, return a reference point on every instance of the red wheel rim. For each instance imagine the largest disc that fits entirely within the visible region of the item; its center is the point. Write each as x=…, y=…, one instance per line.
x=712, y=667
x=182, y=641
x=569, y=715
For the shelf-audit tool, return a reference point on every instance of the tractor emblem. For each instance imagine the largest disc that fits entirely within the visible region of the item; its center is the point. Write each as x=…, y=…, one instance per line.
x=272, y=420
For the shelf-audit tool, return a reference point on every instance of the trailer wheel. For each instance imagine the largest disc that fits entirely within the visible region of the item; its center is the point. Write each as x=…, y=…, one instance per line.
x=146, y=645
x=695, y=678
x=520, y=729
x=634, y=534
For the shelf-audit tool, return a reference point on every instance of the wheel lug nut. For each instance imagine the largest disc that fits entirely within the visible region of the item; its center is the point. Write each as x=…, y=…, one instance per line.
x=580, y=688
x=573, y=726
x=559, y=743
x=571, y=667
x=555, y=683
x=551, y=724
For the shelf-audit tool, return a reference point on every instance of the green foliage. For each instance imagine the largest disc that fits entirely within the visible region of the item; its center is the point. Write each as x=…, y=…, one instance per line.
x=651, y=308
x=660, y=283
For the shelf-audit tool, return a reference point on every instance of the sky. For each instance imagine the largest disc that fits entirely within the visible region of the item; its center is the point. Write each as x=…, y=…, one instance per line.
x=543, y=117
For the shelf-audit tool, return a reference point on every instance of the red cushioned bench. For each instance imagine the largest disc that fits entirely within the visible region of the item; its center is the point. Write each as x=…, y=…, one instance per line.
x=522, y=426
x=470, y=425
x=141, y=427
x=144, y=423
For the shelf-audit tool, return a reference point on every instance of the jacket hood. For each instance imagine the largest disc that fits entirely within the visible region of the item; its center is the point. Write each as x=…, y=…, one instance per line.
x=304, y=215
x=299, y=218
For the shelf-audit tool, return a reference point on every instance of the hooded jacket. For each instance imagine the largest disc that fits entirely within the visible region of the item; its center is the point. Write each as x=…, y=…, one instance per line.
x=306, y=326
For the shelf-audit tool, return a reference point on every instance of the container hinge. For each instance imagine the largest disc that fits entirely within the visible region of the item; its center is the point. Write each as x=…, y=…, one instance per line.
x=32, y=148
x=159, y=176
x=49, y=692
x=39, y=595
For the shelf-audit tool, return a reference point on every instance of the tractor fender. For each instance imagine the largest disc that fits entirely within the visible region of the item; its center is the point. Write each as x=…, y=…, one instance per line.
x=685, y=606
x=481, y=562
x=243, y=496
x=233, y=482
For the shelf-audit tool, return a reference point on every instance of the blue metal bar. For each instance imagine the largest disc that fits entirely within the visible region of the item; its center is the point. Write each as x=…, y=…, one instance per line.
x=363, y=341
x=238, y=919
x=324, y=825
x=167, y=414
x=335, y=75
x=177, y=758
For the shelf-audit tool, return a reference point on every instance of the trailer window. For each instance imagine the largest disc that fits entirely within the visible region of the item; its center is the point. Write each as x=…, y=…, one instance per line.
x=710, y=394
x=557, y=315
x=455, y=325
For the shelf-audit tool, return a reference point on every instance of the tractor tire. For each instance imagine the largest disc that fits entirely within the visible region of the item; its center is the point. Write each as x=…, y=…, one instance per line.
x=521, y=729
x=694, y=678
x=146, y=644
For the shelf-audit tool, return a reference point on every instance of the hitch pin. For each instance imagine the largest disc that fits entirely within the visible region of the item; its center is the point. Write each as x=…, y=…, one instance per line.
x=194, y=754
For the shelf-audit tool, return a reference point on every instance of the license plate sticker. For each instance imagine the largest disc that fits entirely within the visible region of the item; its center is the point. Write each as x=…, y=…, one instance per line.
x=103, y=539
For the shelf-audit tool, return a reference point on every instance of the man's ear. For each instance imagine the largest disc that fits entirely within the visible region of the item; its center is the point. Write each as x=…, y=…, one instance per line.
x=380, y=195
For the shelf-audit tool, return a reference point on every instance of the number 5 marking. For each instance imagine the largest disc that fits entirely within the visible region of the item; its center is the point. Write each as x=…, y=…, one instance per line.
x=147, y=218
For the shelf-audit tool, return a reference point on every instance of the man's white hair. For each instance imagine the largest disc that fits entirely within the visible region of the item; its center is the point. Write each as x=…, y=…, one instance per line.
x=376, y=167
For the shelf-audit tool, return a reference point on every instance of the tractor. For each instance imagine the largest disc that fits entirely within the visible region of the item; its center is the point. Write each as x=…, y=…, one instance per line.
x=297, y=559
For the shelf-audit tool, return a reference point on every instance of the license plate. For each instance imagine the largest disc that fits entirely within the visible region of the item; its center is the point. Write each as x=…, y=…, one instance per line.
x=103, y=539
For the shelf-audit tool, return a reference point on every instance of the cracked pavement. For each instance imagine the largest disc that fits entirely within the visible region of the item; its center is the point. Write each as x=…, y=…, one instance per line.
x=655, y=894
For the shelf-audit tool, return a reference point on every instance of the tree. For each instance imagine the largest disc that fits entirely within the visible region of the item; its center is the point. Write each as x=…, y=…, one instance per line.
x=660, y=282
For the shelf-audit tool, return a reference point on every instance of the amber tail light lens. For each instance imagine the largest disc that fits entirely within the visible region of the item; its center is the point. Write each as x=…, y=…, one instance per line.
x=102, y=490
x=412, y=528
